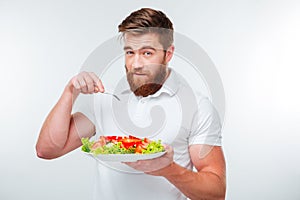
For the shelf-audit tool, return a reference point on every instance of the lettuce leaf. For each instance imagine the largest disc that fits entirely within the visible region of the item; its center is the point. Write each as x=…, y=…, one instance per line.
x=154, y=147
x=86, y=145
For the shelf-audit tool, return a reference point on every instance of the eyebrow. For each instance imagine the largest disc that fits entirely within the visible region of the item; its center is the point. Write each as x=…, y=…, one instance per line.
x=143, y=47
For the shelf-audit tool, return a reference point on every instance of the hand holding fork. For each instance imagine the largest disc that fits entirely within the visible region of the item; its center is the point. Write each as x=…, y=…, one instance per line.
x=88, y=83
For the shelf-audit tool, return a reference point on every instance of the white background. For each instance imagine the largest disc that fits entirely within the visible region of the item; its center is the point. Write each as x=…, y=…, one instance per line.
x=255, y=46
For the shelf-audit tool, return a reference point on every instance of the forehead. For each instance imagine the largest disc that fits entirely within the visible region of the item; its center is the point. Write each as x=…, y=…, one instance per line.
x=139, y=41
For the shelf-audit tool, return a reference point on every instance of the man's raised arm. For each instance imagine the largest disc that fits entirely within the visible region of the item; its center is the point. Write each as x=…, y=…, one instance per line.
x=59, y=134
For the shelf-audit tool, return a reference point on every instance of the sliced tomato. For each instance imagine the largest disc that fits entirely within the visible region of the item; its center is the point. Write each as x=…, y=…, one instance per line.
x=128, y=142
x=146, y=140
x=113, y=139
x=133, y=137
x=139, y=149
x=110, y=138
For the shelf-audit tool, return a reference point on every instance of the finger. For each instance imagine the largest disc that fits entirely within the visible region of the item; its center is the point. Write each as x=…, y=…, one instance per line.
x=89, y=83
x=82, y=83
x=130, y=163
x=76, y=84
x=167, y=147
x=96, y=89
x=97, y=82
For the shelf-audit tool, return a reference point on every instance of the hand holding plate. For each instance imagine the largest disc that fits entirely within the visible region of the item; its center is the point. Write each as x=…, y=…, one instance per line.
x=155, y=165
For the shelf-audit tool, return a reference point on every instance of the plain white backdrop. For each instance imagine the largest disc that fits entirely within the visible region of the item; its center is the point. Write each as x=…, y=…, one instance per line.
x=255, y=46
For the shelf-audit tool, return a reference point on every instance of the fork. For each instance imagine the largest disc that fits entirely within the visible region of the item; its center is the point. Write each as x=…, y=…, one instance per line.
x=108, y=93
x=112, y=95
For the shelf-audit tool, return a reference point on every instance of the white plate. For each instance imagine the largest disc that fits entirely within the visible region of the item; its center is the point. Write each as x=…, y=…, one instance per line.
x=126, y=157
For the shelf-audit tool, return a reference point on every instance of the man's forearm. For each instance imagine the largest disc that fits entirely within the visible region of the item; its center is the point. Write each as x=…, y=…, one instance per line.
x=196, y=185
x=54, y=132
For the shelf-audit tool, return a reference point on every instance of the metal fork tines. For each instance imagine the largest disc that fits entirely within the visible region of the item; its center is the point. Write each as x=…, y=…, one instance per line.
x=112, y=95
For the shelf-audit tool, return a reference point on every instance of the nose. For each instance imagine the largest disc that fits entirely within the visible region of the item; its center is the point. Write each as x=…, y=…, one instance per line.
x=137, y=62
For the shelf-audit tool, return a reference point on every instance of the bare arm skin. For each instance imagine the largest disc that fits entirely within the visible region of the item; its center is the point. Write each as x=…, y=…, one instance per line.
x=60, y=134
x=208, y=183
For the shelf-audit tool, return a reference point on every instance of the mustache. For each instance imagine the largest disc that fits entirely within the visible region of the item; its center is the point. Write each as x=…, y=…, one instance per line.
x=138, y=71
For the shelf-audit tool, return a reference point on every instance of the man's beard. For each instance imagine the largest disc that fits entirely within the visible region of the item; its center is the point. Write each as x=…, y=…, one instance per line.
x=148, y=87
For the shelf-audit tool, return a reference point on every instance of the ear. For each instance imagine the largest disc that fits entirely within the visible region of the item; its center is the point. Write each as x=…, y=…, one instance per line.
x=169, y=53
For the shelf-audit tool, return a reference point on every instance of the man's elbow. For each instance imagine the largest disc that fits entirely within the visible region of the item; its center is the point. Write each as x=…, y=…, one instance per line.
x=220, y=196
x=43, y=153
x=222, y=191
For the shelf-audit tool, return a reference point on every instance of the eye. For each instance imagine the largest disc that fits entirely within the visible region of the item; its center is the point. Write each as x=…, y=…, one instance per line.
x=148, y=53
x=129, y=52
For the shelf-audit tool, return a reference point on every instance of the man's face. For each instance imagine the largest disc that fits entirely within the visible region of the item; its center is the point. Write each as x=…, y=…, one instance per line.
x=146, y=63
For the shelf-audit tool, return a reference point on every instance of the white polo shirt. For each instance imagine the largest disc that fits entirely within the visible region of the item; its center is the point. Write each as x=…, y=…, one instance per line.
x=176, y=114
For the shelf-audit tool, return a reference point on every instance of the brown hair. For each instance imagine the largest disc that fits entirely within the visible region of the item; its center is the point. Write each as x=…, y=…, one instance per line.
x=147, y=20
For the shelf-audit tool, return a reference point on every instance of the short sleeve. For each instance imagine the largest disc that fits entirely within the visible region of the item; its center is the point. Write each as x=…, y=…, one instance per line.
x=206, y=125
